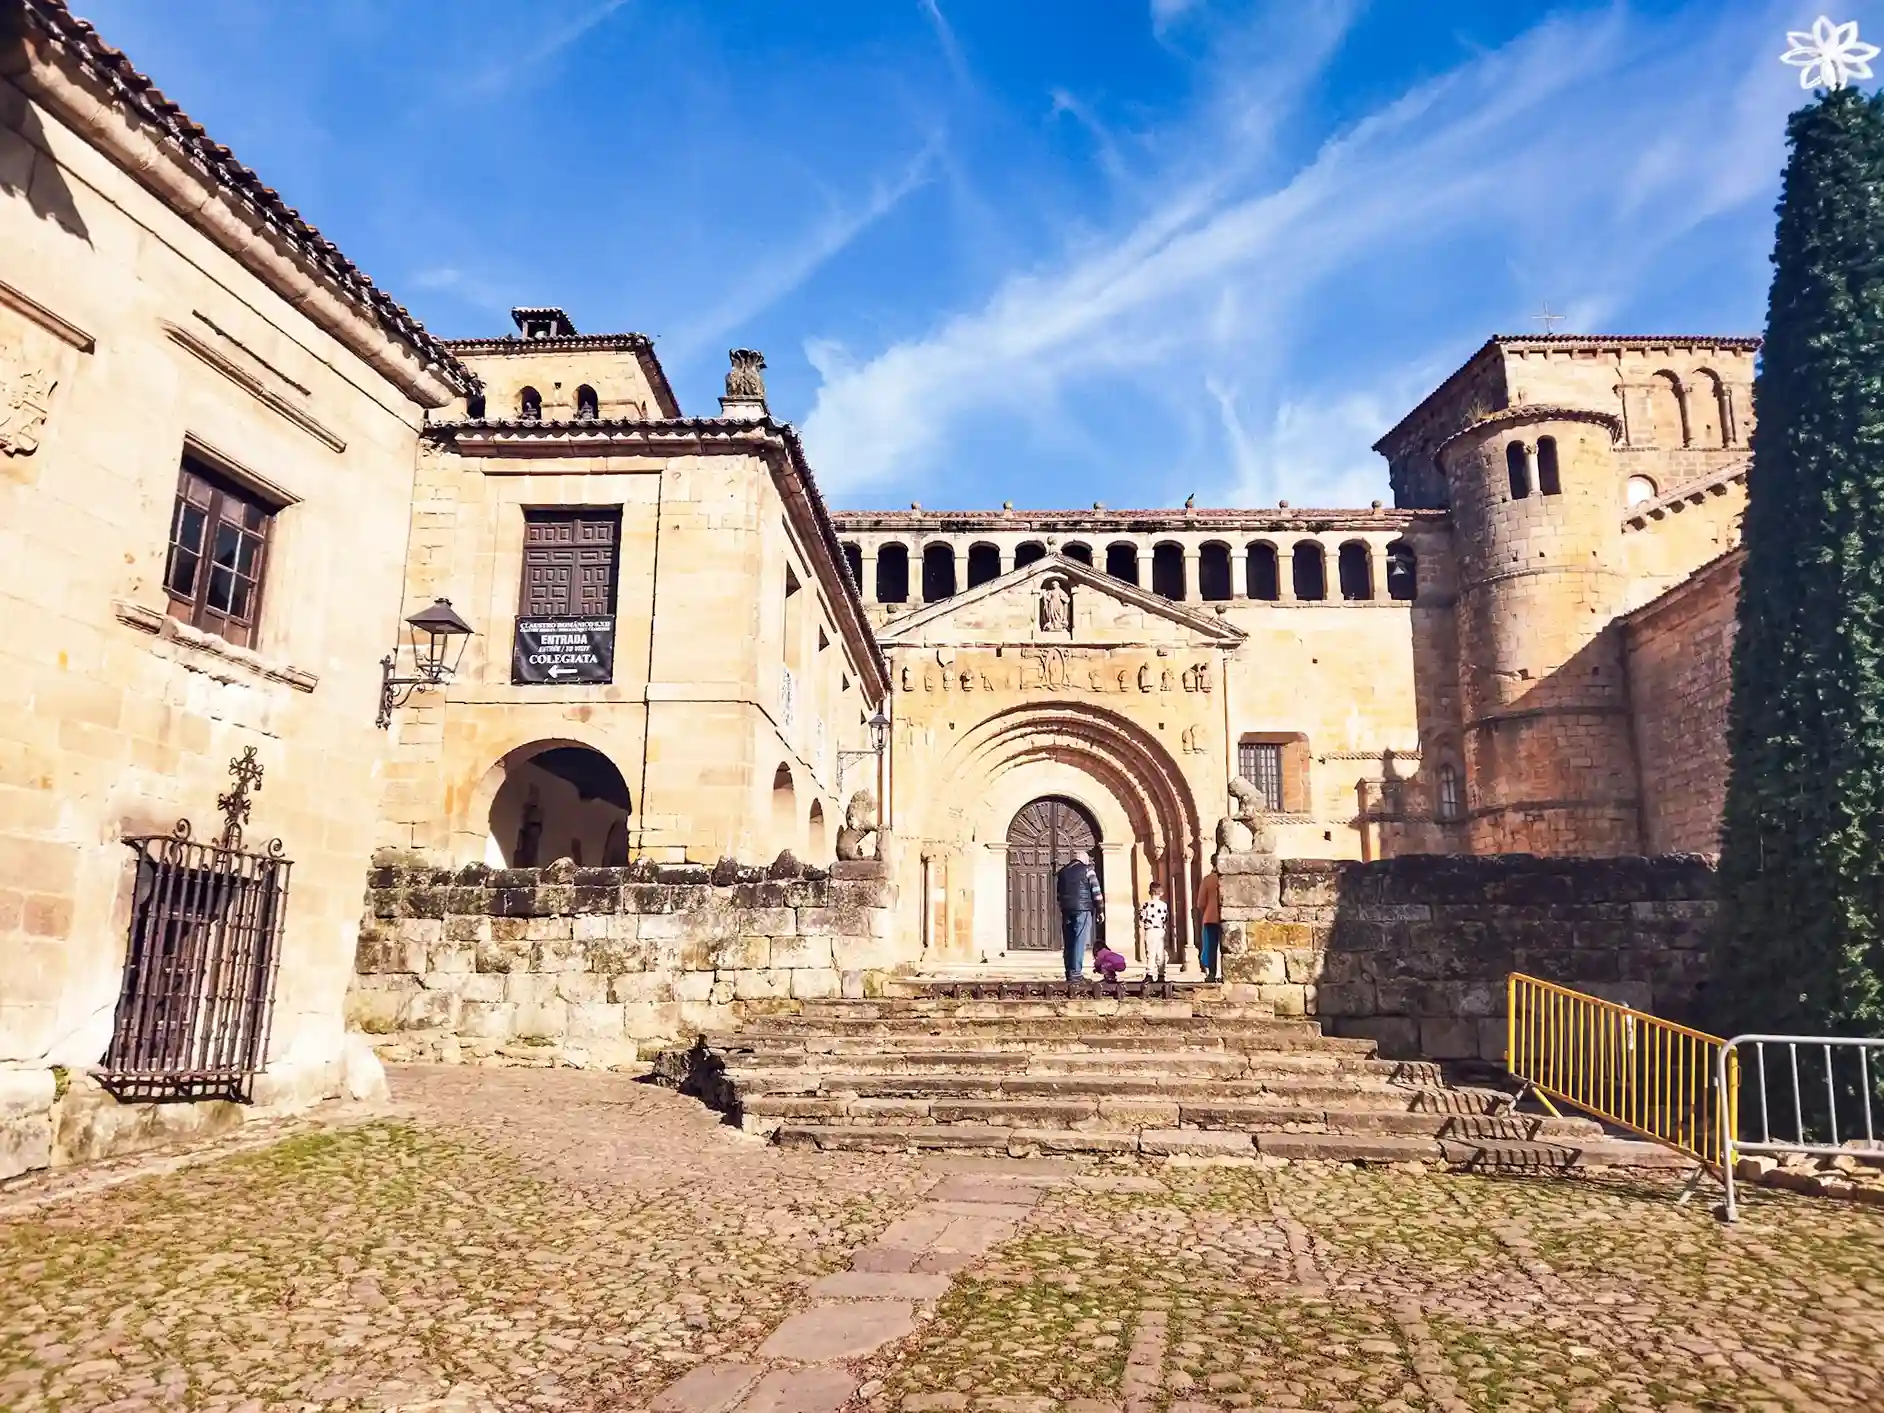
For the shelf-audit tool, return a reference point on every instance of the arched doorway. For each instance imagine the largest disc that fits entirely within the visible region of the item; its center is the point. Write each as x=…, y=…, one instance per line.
x=1043, y=838
x=558, y=801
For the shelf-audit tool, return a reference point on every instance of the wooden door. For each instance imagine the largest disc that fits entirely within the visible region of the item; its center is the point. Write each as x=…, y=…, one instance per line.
x=1042, y=839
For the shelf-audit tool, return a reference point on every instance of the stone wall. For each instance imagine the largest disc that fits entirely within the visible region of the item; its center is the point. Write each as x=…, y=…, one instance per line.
x=1680, y=657
x=585, y=964
x=1414, y=951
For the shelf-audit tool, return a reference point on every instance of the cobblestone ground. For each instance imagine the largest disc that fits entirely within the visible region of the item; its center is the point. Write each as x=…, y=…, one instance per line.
x=534, y=1239
x=544, y=1239
x=1346, y=1289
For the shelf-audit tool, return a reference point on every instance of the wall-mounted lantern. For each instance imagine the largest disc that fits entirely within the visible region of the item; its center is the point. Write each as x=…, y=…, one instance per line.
x=439, y=624
x=879, y=728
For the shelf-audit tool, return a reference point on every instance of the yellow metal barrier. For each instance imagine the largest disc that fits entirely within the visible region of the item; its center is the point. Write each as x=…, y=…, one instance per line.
x=1645, y=1074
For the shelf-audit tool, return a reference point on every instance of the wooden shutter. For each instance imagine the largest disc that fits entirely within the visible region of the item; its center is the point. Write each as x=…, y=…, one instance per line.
x=569, y=561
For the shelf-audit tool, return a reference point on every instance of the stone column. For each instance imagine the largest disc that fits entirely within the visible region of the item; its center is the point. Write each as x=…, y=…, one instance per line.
x=1121, y=900
x=1285, y=572
x=1193, y=581
x=868, y=588
x=1007, y=558
x=1379, y=556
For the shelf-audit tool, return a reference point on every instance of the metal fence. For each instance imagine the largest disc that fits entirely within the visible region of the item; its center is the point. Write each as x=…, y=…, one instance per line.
x=1658, y=1079
x=1823, y=1107
x=199, y=976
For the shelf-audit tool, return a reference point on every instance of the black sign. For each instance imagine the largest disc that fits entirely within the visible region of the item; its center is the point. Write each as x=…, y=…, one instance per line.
x=564, y=650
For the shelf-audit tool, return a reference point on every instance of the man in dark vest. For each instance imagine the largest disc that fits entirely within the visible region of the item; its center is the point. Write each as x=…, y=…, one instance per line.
x=1080, y=900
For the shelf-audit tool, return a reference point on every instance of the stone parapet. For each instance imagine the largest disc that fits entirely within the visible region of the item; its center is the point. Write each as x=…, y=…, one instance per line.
x=1413, y=952
x=583, y=965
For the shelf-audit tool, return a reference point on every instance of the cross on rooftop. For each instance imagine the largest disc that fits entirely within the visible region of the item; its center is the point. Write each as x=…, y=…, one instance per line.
x=1548, y=319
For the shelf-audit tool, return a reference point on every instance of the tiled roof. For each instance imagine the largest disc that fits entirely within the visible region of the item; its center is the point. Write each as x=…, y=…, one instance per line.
x=1745, y=341
x=137, y=95
x=638, y=344
x=1102, y=521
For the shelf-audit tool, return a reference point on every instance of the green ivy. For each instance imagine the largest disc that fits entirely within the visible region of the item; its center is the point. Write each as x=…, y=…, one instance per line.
x=1801, y=945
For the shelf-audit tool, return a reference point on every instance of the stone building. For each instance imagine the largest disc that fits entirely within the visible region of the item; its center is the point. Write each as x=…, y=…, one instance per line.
x=733, y=674
x=230, y=467
x=1453, y=675
x=209, y=425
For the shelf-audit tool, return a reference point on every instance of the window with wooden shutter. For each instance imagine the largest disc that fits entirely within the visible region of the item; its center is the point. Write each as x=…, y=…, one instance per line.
x=218, y=553
x=570, y=559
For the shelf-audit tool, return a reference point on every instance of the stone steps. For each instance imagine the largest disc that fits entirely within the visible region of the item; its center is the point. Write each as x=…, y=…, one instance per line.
x=766, y=1113
x=1153, y=1077
x=1363, y=1092
x=1470, y=1154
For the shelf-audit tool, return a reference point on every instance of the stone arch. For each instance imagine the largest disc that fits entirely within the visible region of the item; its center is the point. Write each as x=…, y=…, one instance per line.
x=984, y=563
x=530, y=405
x=1668, y=410
x=1309, y=566
x=1116, y=770
x=580, y=794
x=1027, y=552
x=784, y=809
x=1708, y=415
x=1215, y=577
x=1262, y=571
x=817, y=845
x=938, y=571
x=588, y=405
x=892, y=584
x=1168, y=574
x=1122, y=560
x=1354, y=569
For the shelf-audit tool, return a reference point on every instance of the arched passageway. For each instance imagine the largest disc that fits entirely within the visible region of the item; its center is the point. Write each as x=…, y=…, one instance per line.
x=1113, y=772
x=557, y=800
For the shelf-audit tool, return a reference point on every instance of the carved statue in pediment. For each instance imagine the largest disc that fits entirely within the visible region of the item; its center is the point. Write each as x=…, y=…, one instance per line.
x=1056, y=607
x=25, y=396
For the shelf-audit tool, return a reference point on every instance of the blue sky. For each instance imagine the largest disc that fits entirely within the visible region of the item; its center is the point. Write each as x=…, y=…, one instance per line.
x=1051, y=252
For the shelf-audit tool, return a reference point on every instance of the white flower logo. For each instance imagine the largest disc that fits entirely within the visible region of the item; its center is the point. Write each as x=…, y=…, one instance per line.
x=1829, y=55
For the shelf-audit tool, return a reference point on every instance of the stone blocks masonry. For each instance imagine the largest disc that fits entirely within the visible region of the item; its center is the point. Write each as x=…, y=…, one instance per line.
x=594, y=961
x=1413, y=951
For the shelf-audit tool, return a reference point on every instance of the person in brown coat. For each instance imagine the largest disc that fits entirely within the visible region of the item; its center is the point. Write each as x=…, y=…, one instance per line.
x=1210, y=925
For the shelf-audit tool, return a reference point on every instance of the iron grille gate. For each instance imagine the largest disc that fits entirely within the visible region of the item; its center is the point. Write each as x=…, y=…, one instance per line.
x=199, y=976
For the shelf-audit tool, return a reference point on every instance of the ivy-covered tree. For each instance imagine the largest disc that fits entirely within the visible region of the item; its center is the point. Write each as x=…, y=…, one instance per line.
x=1801, y=943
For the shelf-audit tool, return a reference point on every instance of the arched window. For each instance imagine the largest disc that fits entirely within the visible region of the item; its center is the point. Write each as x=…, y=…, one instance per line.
x=853, y=561
x=1548, y=483
x=1027, y=553
x=893, y=574
x=1448, y=806
x=938, y=572
x=815, y=847
x=1355, y=568
x=984, y=563
x=588, y=406
x=1167, y=571
x=784, y=811
x=1668, y=416
x=1516, y=471
x=1403, y=572
x=1640, y=489
x=530, y=405
x=1265, y=579
x=1214, y=582
x=474, y=405
x=1077, y=549
x=1708, y=417
x=1311, y=570
x=1122, y=561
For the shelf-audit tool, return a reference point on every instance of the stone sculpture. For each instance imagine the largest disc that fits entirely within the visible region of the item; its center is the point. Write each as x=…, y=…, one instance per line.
x=857, y=838
x=746, y=379
x=1056, y=607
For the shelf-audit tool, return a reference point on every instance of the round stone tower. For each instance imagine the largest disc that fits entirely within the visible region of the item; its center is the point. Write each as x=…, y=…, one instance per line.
x=1537, y=516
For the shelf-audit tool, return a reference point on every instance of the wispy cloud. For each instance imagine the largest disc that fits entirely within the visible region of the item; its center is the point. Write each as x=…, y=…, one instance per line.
x=945, y=37
x=1165, y=13
x=516, y=66
x=1230, y=270
x=769, y=280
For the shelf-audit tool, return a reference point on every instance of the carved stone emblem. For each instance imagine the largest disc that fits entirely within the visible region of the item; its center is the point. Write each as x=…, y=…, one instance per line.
x=1056, y=607
x=25, y=396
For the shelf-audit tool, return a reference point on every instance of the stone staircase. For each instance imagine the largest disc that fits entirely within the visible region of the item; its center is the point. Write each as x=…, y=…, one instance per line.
x=1167, y=1071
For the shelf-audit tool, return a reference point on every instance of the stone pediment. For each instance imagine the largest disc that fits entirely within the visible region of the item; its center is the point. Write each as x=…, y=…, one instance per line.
x=1063, y=602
